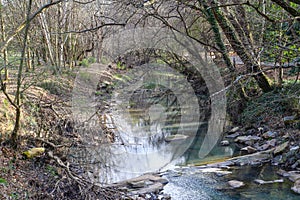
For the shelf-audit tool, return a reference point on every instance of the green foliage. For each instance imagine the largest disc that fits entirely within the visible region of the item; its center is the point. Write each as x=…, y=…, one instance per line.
x=3, y=181
x=87, y=61
x=84, y=63
x=150, y=86
x=279, y=38
x=51, y=86
x=91, y=60
x=121, y=66
x=97, y=93
x=104, y=61
x=52, y=170
x=14, y=195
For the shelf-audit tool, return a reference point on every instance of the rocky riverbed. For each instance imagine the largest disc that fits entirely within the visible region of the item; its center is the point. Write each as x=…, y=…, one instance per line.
x=261, y=152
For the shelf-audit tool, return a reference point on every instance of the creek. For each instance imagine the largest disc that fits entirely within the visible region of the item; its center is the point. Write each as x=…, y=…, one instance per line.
x=157, y=131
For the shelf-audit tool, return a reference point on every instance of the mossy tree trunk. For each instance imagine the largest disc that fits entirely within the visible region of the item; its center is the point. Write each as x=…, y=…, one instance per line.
x=253, y=66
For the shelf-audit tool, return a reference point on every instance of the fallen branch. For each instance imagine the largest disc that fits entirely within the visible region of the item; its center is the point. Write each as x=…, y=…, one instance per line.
x=79, y=180
x=52, y=144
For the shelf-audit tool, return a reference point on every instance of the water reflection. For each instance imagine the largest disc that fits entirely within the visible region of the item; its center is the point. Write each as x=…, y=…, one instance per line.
x=154, y=124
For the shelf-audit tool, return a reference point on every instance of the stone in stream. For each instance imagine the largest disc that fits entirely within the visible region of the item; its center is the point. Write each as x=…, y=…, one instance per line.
x=224, y=143
x=296, y=187
x=294, y=176
x=291, y=175
x=249, y=140
x=236, y=184
x=233, y=135
x=253, y=159
x=217, y=171
x=294, y=148
x=143, y=185
x=262, y=182
x=235, y=129
x=249, y=149
x=175, y=137
x=137, y=184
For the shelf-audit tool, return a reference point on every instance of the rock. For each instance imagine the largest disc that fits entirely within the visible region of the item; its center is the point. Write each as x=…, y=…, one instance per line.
x=236, y=184
x=246, y=139
x=223, y=173
x=234, y=135
x=260, y=129
x=217, y=171
x=251, y=132
x=270, y=134
x=281, y=148
x=277, y=160
x=259, y=157
x=294, y=148
x=289, y=120
x=210, y=170
x=264, y=147
x=272, y=142
x=296, y=187
x=176, y=137
x=154, y=188
x=249, y=149
x=225, y=143
x=137, y=184
x=159, y=179
x=283, y=173
x=164, y=197
x=235, y=129
x=296, y=164
x=286, y=136
x=262, y=182
x=268, y=144
x=292, y=175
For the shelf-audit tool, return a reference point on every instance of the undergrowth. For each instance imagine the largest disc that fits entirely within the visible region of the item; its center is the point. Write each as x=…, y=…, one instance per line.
x=278, y=103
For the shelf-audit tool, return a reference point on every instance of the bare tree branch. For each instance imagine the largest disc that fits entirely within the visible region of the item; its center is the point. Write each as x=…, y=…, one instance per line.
x=23, y=24
x=95, y=28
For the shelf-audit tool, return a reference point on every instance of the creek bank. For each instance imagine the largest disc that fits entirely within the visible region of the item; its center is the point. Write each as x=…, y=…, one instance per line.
x=262, y=145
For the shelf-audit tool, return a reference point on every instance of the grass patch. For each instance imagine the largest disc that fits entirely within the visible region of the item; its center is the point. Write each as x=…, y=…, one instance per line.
x=87, y=61
x=52, y=86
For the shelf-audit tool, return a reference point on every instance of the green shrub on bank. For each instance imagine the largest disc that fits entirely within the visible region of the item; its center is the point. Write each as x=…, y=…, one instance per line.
x=280, y=102
x=86, y=62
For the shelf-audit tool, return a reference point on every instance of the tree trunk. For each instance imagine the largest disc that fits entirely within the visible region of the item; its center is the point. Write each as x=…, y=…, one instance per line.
x=288, y=8
x=218, y=38
x=252, y=66
x=14, y=135
x=5, y=81
x=45, y=30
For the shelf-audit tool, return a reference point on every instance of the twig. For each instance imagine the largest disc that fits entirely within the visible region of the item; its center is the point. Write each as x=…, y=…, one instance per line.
x=52, y=144
x=79, y=180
